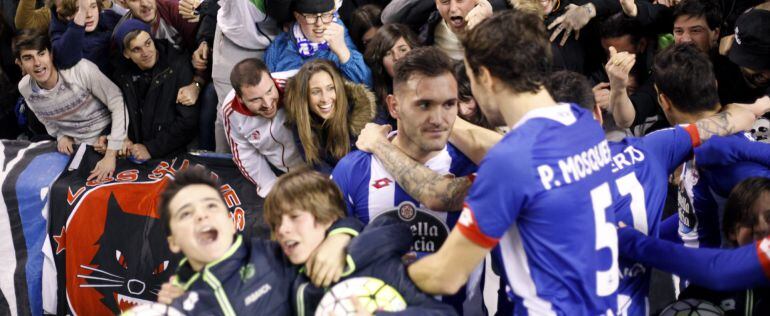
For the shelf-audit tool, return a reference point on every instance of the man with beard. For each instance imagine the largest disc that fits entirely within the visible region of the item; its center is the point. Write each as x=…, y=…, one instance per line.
x=263, y=147
x=425, y=106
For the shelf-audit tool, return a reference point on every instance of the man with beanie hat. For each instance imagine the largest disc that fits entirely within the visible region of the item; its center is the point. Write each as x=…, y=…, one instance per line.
x=161, y=122
x=751, y=48
x=317, y=33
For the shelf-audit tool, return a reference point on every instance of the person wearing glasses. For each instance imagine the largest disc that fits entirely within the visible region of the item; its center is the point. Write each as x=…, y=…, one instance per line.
x=317, y=33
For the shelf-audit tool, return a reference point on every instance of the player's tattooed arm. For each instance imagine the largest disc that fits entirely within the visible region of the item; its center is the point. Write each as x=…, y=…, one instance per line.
x=735, y=118
x=472, y=140
x=437, y=192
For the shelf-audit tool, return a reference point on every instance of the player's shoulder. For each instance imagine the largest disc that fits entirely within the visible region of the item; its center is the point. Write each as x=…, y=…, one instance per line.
x=355, y=162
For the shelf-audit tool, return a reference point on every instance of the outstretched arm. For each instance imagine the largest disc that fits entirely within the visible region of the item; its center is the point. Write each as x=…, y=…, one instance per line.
x=733, y=119
x=472, y=140
x=717, y=269
x=437, y=192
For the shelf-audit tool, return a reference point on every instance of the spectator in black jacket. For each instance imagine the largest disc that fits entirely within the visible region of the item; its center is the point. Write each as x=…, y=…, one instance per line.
x=160, y=123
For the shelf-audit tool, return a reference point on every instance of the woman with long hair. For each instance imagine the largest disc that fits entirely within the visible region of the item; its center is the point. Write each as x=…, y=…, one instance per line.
x=392, y=42
x=327, y=112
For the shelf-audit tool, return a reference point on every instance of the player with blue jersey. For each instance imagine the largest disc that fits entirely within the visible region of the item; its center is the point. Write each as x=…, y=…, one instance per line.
x=545, y=198
x=688, y=92
x=425, y=106
x=642, y=166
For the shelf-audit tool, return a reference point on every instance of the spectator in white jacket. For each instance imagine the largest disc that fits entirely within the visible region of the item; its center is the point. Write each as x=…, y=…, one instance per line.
x=263, y=147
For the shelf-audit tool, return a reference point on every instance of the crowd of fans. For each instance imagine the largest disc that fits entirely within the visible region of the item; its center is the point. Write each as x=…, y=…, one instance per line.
x=402, y=102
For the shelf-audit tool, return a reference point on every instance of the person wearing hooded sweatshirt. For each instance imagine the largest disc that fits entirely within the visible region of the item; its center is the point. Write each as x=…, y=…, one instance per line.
x=317, y=33
x=327, y=113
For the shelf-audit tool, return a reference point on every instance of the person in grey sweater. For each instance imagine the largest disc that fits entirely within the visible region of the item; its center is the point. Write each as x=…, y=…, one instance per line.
x=77, y=105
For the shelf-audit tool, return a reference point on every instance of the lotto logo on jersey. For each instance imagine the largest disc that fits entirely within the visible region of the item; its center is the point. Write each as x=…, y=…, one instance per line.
x=381, y=183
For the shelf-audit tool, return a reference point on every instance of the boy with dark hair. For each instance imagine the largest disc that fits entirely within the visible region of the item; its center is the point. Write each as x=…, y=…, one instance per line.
x=76, y=105
x=302, y=205
x=223, y=274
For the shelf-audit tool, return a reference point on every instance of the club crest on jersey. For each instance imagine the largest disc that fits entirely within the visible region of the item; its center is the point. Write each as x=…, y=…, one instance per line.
x=255, y=135
x=381, y=183
x=428, y=229
x=406, y=211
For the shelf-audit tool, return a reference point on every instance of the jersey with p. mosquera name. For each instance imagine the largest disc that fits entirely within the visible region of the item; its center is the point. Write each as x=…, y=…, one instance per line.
x=545, y=194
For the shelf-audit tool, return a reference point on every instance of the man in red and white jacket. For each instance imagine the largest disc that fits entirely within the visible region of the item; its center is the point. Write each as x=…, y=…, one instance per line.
x=254, y=124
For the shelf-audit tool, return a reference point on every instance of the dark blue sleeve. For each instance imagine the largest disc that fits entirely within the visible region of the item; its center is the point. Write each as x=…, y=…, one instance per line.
x=669, y=229
x=725, y=151
x=273, y=52
x=350, y=223
x=716, y=269
x=723, y=179
x=384, y=237
x=68, y=45
x=671, y=146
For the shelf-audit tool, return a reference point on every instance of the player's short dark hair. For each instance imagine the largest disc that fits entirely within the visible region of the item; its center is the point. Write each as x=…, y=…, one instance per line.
x=709, y=9
x=684, y=74
x=182, y=179
x=618, y=25
x=571, y=87
x=30, y=39
x=423, y=61
x=737, y=212
x=247, y=72
x=513, y=46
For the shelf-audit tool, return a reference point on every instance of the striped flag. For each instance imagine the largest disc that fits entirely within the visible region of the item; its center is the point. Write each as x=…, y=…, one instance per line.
x=27, y=171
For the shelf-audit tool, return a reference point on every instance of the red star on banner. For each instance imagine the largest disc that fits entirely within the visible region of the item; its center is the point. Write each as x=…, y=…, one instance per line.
x=59, y=241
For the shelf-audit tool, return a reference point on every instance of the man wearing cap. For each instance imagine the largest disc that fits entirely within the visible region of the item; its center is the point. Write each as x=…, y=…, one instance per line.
x=750, y=48
x=151, y=75
x=317, y=32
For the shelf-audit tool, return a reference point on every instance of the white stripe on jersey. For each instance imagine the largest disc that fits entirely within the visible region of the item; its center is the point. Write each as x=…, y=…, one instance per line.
x=383, y=198
x=519, y=277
